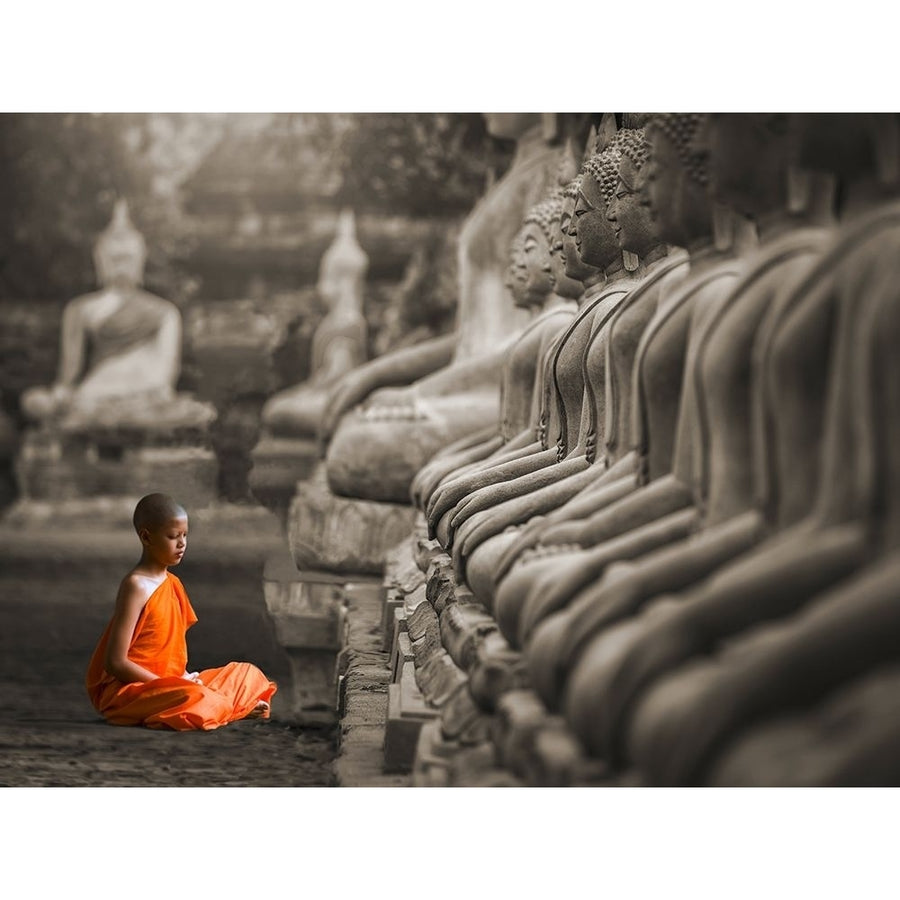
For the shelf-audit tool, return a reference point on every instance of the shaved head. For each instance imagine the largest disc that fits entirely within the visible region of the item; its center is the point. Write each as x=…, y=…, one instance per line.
x=155, y=510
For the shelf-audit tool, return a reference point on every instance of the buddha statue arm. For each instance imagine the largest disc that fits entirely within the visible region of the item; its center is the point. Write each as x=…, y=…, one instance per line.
x=458, y=489
x=72, y=343
x=398, y=368
x=168, y=350
x=568, y=507
x=640, y=507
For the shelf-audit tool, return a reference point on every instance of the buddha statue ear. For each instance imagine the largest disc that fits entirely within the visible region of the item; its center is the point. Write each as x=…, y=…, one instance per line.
x=569, y=164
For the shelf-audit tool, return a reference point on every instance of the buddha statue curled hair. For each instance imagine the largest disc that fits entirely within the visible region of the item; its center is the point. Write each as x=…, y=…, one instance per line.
x=570, y=191
x=681, y=129
x=545, y=213
x=603, y=167
x=633, y=144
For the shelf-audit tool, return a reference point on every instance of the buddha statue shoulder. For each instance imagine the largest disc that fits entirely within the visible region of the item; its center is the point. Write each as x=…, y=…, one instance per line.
x=117, y=345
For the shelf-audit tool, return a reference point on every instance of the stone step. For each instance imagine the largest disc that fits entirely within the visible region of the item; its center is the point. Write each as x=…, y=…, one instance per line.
x=407, y=712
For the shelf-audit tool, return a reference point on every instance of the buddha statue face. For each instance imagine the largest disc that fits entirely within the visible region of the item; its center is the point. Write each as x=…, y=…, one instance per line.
x=629, y=210
x=120, y=252
x=516, y=272
x=510, y=126
x=677, y=179
x=749, y=154
x=538, y=273
x=575, y=267
x=565, y=285
x=595, y=236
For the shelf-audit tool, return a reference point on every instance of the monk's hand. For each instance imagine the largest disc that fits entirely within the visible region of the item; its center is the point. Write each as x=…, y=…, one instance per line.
x=192, y=676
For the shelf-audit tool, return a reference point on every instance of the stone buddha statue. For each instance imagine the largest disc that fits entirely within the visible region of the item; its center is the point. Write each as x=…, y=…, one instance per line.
x=660, y=443
x=113, y=421
x=287, y=450
x=538, y=283
x=750, y=159
x=814, y=606
x=563, y=391
x=120, y=348
x=605, y=406
x=382, y=426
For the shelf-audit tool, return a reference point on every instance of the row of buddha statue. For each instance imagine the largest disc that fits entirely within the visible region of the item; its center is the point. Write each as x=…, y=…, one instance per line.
x=673, y=487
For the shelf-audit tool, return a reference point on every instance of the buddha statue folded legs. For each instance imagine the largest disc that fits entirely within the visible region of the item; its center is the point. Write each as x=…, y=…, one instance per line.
x=849, y=739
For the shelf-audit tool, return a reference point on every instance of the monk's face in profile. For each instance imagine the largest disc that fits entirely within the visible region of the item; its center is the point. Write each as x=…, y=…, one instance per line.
x=166, y=543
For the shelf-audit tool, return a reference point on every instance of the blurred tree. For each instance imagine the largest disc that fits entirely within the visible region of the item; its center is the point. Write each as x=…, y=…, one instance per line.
x=420, y=164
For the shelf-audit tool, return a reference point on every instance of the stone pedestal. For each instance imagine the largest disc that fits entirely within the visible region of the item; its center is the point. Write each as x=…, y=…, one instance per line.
x=89, y=463
x=335, y=534
x=278, y=463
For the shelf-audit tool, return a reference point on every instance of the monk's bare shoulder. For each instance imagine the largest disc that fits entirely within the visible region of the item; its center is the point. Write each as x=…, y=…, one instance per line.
x=135, y=590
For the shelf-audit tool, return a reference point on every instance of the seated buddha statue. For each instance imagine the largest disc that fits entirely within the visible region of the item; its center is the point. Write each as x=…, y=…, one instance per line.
x=661, y=441
x=387, y=418
x=608, y=349
x=564, y=451
x=815, y=605
x=120, y=347
x=287, y=449
x=537, y=284
x=113, y=424
x=749, y=164
x=339, y=342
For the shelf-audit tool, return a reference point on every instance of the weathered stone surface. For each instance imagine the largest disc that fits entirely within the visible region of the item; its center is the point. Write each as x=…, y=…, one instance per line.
x=407, y=713
x=497, y=668
x=463, y=628
x=440, y=582
x=422, y=620
x=337, y=534
x=439, y=678
x=458, y=713
x=426, y=646
x=50, y=467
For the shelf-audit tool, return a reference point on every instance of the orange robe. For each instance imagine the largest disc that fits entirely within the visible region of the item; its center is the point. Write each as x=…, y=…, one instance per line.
x=159, y=644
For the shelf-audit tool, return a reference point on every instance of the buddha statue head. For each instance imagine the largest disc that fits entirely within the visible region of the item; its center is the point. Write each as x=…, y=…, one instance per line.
x=511, y=126
x=678, y=178
x=575, y=267
x=535, y=274
x=629, y=209
x=595, y=237
x=749, y=157
x=120, y=251
x=516, y=277
x=343, y=267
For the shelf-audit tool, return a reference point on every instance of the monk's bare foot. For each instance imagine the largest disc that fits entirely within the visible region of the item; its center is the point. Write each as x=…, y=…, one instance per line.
x=260, y=711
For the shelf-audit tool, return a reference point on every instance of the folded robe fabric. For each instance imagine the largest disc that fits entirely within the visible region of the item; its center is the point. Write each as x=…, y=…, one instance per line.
x=170, y=701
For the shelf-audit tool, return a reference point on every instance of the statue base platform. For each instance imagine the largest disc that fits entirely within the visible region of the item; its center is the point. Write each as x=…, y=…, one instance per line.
x=278, y=463
x=309, y=612
x=67, y=465
x=337, y=534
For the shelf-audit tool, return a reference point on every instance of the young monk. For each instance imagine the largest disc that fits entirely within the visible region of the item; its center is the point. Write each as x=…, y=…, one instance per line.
x=138, y=674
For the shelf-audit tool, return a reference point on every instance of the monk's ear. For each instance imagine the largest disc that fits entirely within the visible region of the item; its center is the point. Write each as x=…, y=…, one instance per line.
x=144, y=535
